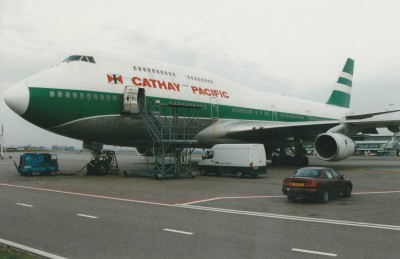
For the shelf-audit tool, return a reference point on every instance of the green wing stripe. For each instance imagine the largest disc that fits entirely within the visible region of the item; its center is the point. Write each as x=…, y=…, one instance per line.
x=340, y=98
x=344, y=81
x=349, y=66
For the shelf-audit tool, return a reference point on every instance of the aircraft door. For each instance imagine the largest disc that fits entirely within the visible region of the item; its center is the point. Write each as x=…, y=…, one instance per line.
x=132, y=97
x=214, y=108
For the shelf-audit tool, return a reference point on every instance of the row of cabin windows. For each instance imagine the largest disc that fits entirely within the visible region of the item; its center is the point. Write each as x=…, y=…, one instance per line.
x=249, y=111
x=152, y=70
x=186, y=104
x=83, y=96
x=200, y=79
x=292, y=116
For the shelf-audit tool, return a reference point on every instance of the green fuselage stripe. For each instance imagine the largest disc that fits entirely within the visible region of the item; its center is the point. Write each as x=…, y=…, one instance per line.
x=53, y=107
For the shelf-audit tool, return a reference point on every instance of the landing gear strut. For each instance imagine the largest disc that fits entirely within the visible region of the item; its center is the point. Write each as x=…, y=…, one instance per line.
x=102, y=163
x=299, y=158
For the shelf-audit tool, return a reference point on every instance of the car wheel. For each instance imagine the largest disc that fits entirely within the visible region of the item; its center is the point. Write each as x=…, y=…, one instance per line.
x=254, y=175
x=324, y=198
x=203, y=172
x=239, y=174
x=347, y=191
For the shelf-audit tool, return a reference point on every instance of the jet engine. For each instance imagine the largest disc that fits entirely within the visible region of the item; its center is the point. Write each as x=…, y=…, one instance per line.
x=334, y=146
x=144, y=151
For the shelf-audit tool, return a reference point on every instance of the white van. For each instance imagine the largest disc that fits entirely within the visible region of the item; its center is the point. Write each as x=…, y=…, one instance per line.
x=238, y=159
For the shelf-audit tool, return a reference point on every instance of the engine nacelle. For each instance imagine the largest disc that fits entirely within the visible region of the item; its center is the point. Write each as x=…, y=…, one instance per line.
x=334, y=146
x=144, y=151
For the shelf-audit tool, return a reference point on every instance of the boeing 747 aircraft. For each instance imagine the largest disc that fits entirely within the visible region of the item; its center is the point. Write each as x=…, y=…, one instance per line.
x=105, y=100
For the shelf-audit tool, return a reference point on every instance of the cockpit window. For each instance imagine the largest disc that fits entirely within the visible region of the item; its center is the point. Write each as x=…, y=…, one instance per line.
x=91, y=59
x=73, y=58
x=80, y=58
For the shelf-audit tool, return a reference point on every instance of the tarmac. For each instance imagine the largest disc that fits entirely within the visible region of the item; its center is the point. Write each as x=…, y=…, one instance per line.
x=73, y=215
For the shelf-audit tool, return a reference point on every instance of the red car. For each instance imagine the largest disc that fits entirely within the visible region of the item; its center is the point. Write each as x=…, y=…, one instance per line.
x=316, y=182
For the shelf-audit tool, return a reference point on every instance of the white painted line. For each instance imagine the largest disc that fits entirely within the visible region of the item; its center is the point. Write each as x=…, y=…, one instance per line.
x=233, y=197
x=3, y=163
x=25, y=205
x=296, y=218
x=383, y=192
x=199, y=201
x=313, y=252
x=87, y=216
x=237, y=212
x=178, y=231
x=30, y=249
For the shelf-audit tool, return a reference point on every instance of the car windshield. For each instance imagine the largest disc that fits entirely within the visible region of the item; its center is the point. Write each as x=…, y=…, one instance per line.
x=307, y=172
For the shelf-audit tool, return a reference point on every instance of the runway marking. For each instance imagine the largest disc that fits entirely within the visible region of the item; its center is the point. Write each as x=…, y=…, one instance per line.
x=25, y=205
x=178, y=231
x=313, y=252
x=87, y=216
x=30, y=249
x=383, y=192
x=233, y=197
x=296, y=218
x=269, y=196
x=4, y=163
x=237, y=212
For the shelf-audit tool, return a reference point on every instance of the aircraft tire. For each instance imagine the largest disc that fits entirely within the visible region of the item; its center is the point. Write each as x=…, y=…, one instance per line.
x=102, y=168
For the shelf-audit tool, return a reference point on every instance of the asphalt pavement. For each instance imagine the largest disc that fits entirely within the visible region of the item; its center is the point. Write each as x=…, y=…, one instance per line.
x=81, y=216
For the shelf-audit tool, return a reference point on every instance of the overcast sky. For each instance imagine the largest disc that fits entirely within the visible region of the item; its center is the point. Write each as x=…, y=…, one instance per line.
x=291, y=47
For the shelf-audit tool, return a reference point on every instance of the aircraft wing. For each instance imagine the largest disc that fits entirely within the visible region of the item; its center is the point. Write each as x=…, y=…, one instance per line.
x=268, y=131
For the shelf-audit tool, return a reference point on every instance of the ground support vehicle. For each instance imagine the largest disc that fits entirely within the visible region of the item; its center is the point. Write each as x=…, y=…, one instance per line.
x=37, y=164
x=237, y=159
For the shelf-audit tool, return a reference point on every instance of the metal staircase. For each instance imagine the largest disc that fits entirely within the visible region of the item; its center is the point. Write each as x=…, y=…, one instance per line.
x=174, y=129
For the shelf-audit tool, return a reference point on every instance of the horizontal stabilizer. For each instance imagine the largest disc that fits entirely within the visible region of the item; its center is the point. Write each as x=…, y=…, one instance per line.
x=367, y=115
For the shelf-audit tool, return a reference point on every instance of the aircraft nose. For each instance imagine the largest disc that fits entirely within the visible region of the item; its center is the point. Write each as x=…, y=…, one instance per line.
x=17, y=98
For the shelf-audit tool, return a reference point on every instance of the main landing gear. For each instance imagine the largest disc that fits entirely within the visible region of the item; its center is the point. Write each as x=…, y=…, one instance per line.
x=299, y=158
x=290, y=160
x=102, y=163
